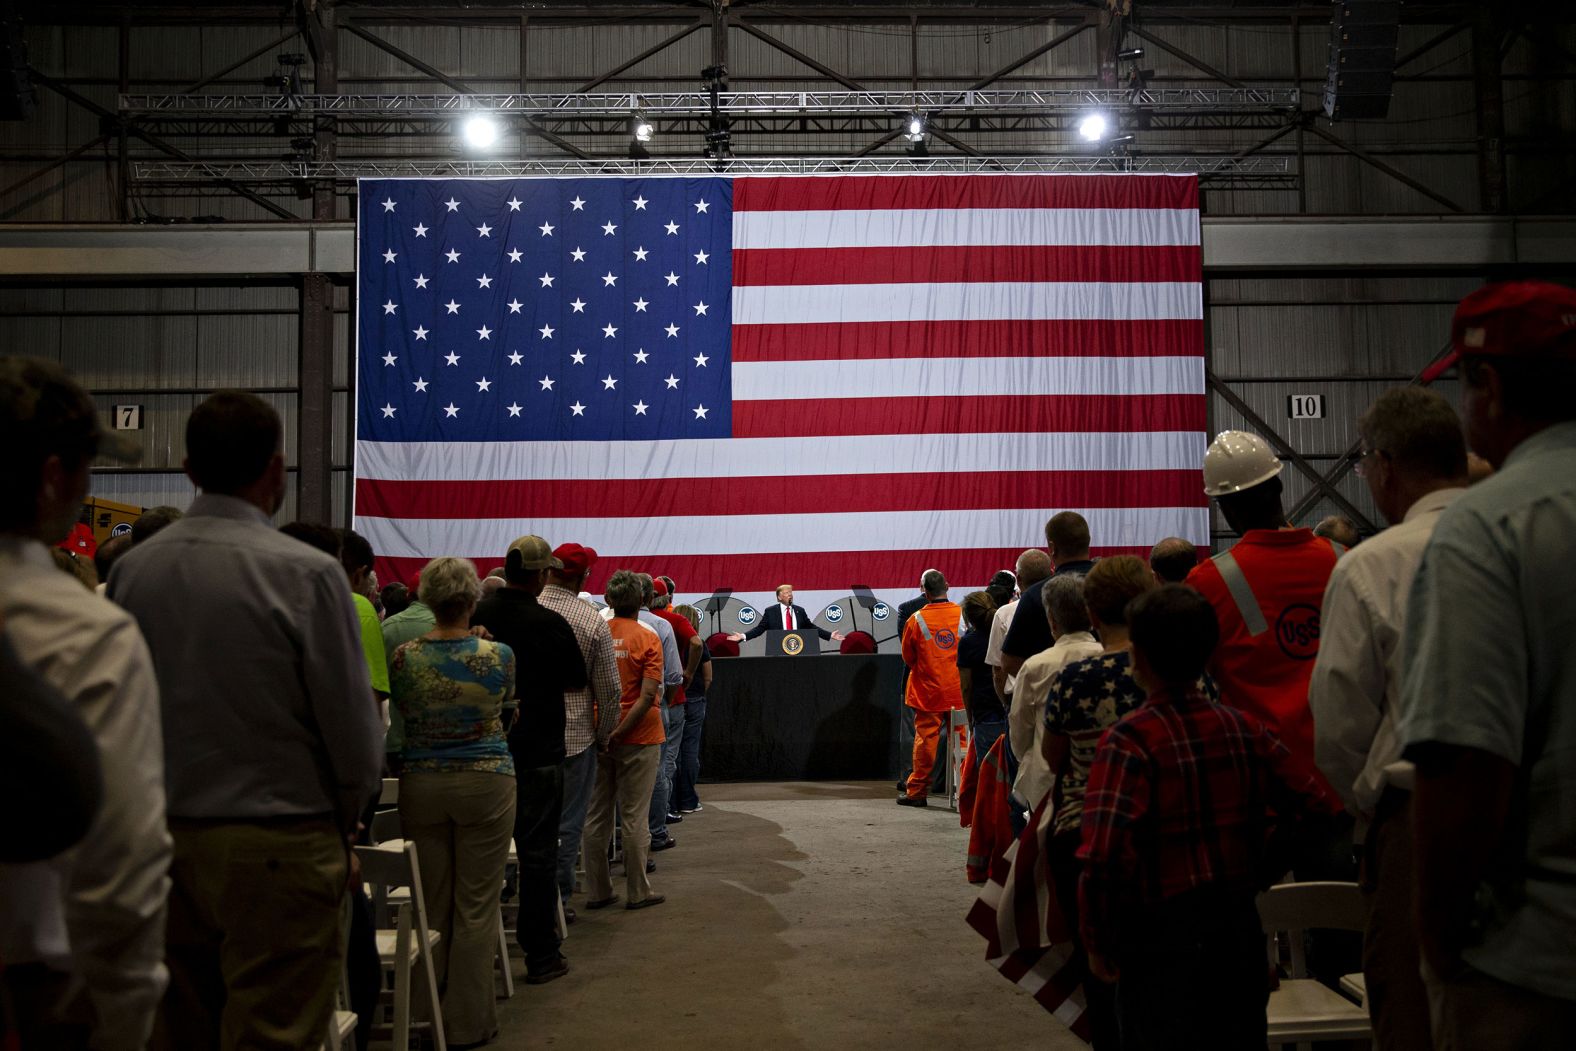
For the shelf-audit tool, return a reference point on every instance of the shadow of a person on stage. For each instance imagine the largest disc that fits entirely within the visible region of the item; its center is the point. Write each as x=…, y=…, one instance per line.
x=844, y=738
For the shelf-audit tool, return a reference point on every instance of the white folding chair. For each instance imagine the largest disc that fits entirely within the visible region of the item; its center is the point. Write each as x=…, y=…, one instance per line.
x=390, y=794
x=1303, y=1010
x=342, y=1022
x=410, y=941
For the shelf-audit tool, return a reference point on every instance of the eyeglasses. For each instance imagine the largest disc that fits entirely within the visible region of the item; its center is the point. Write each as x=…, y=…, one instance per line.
x=1360, y=464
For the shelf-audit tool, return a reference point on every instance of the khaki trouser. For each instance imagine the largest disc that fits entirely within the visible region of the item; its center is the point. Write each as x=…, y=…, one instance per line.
x=253, y=940
x=625, y=775
x=461, y=823
x=1392, y=960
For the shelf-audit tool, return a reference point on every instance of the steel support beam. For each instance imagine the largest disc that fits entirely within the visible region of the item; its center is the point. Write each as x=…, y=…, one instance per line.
x=1389, y=169
x=1487, y=64
x=1023, y=60
x=315, y=370
x=1198, y=64
x=654, y=49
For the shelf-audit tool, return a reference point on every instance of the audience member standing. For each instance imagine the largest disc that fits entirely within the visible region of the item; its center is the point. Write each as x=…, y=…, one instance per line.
x=689, y=644
x=270, y=741
x=686, y=796
x=590, y=712
x=930, y=649
x=672, y=716
x=355, y=554
x=1172, y=560
x=82, y=934
x=1267, y=592
x=1067, y=536
x=627, y=769
x=987, y=718
x=1415, y=463
x=1180, y=798
x=550, y=664
x=1034, y=566
x=906, y=610
x=1488, y=699
x=1067, y=613
x=455, y=692
x=412, y=622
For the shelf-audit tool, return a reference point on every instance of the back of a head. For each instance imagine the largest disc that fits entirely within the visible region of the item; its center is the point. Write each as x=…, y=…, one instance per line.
x=230, y=440
x=1002, y=587
x=1065, y=605
x=355, y=552
x=449, y=586
x=624, y=592
x=109, y=552
x=933, y=583
x=648, y=589
x=1068, y=533
x=395, y=598
x=1256, y=507
x=1173, y=559
x=1034, y=566
x=152, y=520
x=1418, y=431
x=1176, y=631
x=1526, y=332
x=978, y=609
x=1112, y=584
x=324, y=538
x=1338, y=528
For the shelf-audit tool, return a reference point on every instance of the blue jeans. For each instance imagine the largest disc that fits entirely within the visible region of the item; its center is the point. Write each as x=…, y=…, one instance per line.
x=673, y=726
x=684, y=795
x=579, y=779
x=986, y=733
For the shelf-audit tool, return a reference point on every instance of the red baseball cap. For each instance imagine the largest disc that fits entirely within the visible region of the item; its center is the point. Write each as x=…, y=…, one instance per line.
x=576, y=559
x=658, y=587
x=1511, y=319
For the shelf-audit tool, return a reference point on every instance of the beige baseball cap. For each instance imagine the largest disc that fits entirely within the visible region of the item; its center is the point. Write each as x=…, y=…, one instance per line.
x=535, y=553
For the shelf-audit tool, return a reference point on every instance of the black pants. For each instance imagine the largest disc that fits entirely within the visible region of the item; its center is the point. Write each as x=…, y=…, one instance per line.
x=538, y=800
x=1099, y=997
x=1194, y=974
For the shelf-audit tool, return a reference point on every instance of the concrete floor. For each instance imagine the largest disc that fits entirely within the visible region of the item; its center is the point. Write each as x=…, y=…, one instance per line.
x=806, y=915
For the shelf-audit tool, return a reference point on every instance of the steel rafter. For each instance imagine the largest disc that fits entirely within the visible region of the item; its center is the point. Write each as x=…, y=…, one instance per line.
x=733, y=103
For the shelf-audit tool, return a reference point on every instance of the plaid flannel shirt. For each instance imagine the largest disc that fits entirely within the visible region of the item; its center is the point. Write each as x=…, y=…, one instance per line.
x=589, y=714
x=1181, y=795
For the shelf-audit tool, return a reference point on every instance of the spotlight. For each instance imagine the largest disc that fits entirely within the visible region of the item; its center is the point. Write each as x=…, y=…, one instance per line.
x=1131, y=54
x=641, y=128
x=915, y=127
x=481, y=132
x=1092, y=128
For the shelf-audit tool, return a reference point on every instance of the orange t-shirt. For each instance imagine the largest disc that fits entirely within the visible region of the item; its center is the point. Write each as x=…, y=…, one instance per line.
x=930, y=649
x=638, y=654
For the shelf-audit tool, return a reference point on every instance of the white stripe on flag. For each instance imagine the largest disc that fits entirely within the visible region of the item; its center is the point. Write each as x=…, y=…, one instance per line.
x=766, y=534
x=967, y=301
x=897, y=228
x=950, y=377
x=769, y=457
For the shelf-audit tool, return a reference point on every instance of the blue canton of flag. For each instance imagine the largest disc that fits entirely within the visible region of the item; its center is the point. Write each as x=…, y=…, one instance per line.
x=544, y=309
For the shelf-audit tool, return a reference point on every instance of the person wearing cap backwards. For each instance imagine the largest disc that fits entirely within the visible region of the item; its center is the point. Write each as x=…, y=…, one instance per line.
x=271, y=743
x=82, y=934
x=549, y=664
x=1488, y=701
x=590, y=712
x=930, y=649
x=1267, y=592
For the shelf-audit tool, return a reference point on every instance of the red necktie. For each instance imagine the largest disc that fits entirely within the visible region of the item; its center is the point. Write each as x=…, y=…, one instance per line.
x=787, y=618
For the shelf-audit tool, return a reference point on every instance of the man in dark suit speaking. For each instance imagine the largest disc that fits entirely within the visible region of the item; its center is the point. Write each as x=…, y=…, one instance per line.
x=785, y=616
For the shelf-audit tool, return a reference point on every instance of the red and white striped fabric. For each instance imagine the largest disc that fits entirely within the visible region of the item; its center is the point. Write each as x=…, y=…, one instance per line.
x=923, y=369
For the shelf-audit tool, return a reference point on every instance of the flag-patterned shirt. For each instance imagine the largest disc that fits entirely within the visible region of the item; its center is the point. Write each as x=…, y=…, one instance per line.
x=1181, y=795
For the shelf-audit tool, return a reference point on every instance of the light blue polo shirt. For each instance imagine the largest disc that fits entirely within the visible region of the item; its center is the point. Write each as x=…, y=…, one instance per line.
x=1490, y=658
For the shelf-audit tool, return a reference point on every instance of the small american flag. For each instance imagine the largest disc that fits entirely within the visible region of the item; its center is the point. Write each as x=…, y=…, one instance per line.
x=747, y=381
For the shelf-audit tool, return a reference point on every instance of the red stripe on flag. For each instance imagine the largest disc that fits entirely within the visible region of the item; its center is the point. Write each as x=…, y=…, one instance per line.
x=965, y=263
x=811, y=193
x=969, y=339
x=1106, y=413
x=652, y=497
x=882, y=571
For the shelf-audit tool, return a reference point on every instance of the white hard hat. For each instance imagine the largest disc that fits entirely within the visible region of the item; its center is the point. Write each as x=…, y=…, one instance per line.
x=1237, y=460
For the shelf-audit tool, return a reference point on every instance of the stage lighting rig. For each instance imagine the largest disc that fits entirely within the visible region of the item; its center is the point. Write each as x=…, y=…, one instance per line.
x=480, y=132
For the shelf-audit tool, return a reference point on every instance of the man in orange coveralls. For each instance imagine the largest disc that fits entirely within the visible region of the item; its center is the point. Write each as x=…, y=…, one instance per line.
x=930, y=649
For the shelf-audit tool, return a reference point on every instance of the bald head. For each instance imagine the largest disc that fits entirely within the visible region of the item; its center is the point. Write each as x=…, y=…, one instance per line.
x=1172, y=560
x=1034, y=566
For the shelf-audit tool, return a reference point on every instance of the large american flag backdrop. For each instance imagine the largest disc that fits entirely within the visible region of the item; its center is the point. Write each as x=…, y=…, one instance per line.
x=746, y=381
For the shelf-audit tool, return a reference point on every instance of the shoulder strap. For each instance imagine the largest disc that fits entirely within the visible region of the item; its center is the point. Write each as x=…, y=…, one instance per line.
x=1241, y=593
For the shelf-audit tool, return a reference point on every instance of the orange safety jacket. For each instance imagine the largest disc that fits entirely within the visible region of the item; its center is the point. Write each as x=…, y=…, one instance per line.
x=930, y=649
x=1268, y=593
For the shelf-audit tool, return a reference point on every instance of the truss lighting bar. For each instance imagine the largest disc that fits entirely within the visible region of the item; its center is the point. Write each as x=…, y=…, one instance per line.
x=275, y=171
x=735, y=103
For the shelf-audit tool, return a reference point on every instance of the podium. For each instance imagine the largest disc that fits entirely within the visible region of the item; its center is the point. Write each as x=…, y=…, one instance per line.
x=796, y=643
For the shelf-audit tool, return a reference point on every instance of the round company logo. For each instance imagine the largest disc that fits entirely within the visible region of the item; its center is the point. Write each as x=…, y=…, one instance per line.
x=945, y=639
x=121, y=529
x=1297, y=632
x=747, y=615
x=792, y=644
x=881, y=611
x=834, y=613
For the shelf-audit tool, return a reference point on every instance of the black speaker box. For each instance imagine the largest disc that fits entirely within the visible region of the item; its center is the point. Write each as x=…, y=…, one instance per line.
x=1361, y=65
x=17, y=99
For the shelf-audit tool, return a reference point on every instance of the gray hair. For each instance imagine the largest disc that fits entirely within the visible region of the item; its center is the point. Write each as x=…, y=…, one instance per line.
x=1063, y=598
x=623, y=592
x=449, y=587
x=1033, y=566
x=1419, y=432
x=934, y=583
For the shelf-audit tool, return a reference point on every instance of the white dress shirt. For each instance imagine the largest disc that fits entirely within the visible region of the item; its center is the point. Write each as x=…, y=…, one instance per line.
x=96, y=910
x=998, y=634
x=1026, y=717
x=1357, y=677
